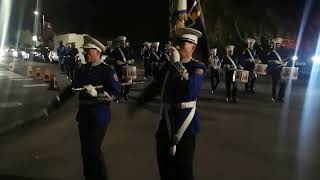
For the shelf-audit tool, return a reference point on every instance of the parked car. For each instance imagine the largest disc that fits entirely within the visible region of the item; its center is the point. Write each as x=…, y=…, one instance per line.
x=304, y=61
x=53, y=56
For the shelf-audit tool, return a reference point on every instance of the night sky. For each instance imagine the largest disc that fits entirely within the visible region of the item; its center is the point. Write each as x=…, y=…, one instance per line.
x=133, y=18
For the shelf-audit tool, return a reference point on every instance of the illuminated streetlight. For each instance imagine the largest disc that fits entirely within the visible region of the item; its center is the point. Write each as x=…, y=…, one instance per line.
x=34, y=38
x=294, y=58
x=36, y=13
x=316, y=59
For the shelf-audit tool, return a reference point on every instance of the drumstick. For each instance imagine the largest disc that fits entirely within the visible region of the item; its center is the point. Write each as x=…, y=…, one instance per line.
x=131, y=83
x=82, y=89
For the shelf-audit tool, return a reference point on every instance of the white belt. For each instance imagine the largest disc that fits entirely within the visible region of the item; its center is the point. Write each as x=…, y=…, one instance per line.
x=177, y=137
x=184, y=105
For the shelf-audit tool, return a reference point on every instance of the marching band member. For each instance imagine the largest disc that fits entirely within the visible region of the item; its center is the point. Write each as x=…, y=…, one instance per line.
x=248, y=60
x=229, y=64
x=122, y=56
x=276, y=61
x=179, y=83
x=214, y=65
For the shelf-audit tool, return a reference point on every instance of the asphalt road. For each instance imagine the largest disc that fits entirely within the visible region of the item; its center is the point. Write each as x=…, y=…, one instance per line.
x=255, y=139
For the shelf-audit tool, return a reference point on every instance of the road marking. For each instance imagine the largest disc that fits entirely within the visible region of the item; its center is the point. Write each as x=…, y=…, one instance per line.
x=35, y=85
x=10, y=75
x=23, y=79
x=10, y=104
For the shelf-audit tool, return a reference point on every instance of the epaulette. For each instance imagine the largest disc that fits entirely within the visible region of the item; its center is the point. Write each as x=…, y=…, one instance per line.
x=107, y=65
x=198, y=61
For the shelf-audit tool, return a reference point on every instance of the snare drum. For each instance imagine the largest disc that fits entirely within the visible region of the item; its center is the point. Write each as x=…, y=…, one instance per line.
x=241, y=76
x=289, y=73
x=261, y=69
x=129, y=72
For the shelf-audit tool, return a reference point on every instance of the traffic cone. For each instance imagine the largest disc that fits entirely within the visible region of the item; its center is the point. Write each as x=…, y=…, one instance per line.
x=53, y=84
x=11, y=66
x=47, y=75
x=29, y=71
x=38, y=73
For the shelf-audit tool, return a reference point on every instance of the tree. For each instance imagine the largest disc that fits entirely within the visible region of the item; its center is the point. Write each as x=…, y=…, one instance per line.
x=25, y=40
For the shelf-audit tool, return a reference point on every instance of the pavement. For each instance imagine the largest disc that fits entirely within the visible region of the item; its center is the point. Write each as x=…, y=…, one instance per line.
x=23, y=97
x=255, y=139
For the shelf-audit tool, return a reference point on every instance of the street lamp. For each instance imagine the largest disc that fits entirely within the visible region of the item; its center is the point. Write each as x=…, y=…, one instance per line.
x=36, y=13
x=34, y=38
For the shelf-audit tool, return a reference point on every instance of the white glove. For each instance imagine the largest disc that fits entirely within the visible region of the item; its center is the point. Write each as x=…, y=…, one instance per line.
x=174, y=58
x=227, y=66
x=241, y=67
x=174, y=55
x=91, y=90
x=258, y=61
x=131, y=61
x=285, y=64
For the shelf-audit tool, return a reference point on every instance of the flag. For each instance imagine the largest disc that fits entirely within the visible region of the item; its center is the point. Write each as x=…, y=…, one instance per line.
x=188, y=13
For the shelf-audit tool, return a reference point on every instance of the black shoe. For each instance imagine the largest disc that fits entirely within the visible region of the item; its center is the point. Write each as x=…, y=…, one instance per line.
x=280, y=100
x=234, y=100
x=213, y=91
x=126, y=97
x=228, y=100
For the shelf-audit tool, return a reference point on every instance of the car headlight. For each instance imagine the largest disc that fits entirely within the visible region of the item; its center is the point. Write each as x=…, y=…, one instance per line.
x=316, y=59
x=2, y=53
x=15, y=54
x=294, y=58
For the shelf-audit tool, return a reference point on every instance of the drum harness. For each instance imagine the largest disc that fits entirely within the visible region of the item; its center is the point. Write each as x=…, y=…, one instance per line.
x=235, y=67
x=122, y=54
x=251, y=56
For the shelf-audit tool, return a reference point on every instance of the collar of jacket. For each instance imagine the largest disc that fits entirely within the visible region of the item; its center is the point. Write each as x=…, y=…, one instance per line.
x=97, y=63
x=186, y=60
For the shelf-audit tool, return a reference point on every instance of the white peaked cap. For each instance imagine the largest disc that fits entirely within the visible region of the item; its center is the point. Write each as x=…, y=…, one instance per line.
x=122, y=38
x=277, y=40
x=145, y=43
x=249, y=40
x=109, y=43
x=213, y=50
x=188, y=34
x=156, y=44
x=92, y=43
x=230, y=47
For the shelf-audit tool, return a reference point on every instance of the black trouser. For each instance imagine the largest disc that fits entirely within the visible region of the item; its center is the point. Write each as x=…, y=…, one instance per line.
x=62, y=64
x=275, y=79
x=70, y=67
x=229, y=81
x=251, y=81
x=147, y=68
x=180, y=166
x=91, y=137
x=155, y=68
x=214, y=75
x=126, y=89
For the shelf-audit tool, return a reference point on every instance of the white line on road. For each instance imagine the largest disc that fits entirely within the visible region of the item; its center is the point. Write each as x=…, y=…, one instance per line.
x=10, y=75
x=10, y=104
x=23, y=79
x=35, y=85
